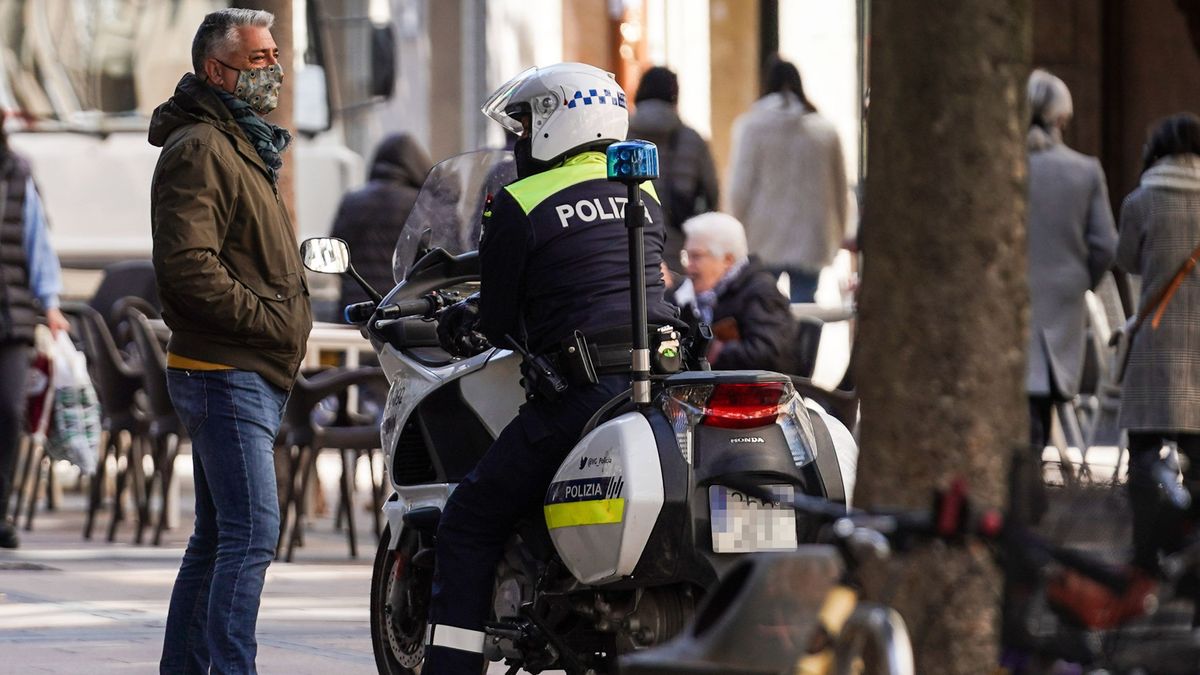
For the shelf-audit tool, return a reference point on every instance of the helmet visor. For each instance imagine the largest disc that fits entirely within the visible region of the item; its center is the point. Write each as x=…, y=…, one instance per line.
x=498, y=103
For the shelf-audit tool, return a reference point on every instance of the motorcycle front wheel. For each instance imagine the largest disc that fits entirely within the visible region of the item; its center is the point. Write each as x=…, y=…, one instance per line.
x=399, y=606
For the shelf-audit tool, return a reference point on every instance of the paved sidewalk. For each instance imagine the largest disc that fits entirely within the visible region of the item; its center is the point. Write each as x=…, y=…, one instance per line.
x=73, y=606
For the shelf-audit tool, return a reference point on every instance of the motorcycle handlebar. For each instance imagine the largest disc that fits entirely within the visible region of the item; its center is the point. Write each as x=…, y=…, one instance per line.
x=424, y=307
x=361, y=312
x=951, y=520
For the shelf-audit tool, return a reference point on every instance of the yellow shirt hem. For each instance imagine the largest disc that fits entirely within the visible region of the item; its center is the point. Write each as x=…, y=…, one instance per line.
x=184, y=363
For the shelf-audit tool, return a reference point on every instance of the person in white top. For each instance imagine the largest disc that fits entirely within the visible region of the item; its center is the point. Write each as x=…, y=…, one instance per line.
x=787, y=181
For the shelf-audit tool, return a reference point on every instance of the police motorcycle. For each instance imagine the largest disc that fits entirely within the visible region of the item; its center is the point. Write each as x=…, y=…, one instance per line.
x=647, y=511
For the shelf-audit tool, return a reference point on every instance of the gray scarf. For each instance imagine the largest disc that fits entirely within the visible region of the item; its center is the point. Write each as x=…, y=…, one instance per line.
x=706, y=301
x=1176, y=172
x=268, y=140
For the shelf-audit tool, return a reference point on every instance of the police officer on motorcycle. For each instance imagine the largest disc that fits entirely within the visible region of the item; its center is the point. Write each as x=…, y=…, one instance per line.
x=555, y=285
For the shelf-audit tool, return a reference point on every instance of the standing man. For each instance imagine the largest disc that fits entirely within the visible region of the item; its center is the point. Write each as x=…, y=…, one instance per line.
x=548, y=271
x=30, y=281
x=234, y=296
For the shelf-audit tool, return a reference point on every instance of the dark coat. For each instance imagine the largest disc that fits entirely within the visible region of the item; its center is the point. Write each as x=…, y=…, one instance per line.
x=554, y=257
x=1160, y=227
x=371, y=218
x=18, y=308
x=1072, y=242
x=225, y=254
x=751, y=305
x=687, y=184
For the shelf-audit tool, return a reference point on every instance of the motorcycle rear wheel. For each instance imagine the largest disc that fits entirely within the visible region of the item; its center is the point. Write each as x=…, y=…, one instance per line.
x=398, y=628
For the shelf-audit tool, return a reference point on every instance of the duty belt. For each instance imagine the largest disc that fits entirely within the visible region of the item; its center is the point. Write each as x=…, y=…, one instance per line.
x=607, y=359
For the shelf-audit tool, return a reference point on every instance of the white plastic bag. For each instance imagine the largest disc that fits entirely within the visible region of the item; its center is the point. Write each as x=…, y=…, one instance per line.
x=75, y=426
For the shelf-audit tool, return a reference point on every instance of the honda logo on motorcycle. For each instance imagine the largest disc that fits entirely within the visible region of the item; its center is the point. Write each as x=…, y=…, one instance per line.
x=747, y=439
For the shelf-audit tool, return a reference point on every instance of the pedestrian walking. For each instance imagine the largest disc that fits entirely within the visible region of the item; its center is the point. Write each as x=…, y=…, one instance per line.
x=687, y=182
x=1160, y=394
x=371, y=218
x=234, y=296
x=30, y=281
x=1072, y=242
x=787, y=181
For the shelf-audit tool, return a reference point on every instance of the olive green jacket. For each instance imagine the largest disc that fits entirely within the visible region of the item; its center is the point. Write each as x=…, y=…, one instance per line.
x=225, y=253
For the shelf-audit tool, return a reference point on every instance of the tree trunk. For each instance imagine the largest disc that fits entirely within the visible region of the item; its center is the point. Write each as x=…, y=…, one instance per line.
x=944, y=302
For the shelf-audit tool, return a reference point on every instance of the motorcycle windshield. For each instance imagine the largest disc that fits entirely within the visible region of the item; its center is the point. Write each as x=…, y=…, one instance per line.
x=449, y=209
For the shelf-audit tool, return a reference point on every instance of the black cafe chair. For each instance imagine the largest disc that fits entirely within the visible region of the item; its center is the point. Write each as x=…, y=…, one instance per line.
x=117, y=382
x=163, y=431
x=121, y=280
x=305, y=437
x=32, y=462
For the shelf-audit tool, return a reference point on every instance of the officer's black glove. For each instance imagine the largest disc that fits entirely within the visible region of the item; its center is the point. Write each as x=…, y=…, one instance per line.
x=456, y=328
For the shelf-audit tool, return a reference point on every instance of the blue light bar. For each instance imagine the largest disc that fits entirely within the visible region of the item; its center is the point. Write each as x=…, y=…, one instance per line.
x=632, y=161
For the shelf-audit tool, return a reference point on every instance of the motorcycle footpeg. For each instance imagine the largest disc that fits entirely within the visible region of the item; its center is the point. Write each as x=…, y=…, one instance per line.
x=507, y=630
x=424, y=519
x=539, y=654
x=426, y=558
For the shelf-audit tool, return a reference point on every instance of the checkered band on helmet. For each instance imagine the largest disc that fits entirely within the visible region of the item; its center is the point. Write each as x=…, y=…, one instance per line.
x=594, y=97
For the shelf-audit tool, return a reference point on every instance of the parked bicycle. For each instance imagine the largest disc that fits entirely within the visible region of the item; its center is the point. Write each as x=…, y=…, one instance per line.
x=803, y=612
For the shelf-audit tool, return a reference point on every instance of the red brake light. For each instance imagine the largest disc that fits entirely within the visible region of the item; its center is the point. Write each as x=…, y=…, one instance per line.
x=744, y=406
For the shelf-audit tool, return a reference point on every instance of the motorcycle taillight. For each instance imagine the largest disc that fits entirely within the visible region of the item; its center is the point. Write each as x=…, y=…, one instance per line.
x=738, y=406
x=745, y=405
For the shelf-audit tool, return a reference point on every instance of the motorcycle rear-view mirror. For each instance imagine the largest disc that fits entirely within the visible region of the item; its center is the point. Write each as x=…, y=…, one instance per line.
x=330, y=255
x=327, y=255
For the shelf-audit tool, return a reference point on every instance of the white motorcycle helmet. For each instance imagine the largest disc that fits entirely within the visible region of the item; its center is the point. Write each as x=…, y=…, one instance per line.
x=568, y=107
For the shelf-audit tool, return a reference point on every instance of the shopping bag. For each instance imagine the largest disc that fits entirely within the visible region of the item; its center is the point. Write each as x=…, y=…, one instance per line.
x=39, y=384
x=75, y=425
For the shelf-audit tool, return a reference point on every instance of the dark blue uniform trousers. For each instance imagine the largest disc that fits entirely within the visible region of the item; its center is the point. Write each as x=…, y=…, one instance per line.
x=508, y=483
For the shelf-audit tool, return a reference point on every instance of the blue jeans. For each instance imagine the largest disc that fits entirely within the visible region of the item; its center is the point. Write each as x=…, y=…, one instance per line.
x=232, y=417
x=803, y=285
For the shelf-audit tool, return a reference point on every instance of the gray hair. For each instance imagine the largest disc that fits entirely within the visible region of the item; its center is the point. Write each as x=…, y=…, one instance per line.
x=1049, y=100
x=720, y=233
x=219, y=32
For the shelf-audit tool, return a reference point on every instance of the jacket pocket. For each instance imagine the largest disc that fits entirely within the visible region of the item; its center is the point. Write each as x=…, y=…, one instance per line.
x=284, y=323
x=277, y=288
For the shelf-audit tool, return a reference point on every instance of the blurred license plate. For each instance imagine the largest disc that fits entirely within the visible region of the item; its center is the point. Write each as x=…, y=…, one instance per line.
x=743, y=524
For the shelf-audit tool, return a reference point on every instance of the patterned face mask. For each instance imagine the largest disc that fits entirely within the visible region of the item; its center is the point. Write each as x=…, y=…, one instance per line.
x=259, y=87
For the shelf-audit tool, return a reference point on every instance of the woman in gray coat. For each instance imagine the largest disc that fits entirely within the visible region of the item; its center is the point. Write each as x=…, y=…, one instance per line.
x=1160, y=397
x=1072, y=242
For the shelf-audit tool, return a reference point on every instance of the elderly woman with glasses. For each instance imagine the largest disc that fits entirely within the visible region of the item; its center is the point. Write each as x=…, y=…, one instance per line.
x=751, y=320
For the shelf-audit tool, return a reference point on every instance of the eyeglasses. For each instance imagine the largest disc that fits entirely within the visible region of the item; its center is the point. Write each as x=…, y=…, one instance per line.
x=695, y=254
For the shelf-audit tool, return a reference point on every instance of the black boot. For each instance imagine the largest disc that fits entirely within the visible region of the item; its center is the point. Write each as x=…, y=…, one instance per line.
x=8, y=535
x=1028, y=501
x=1146, y=504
